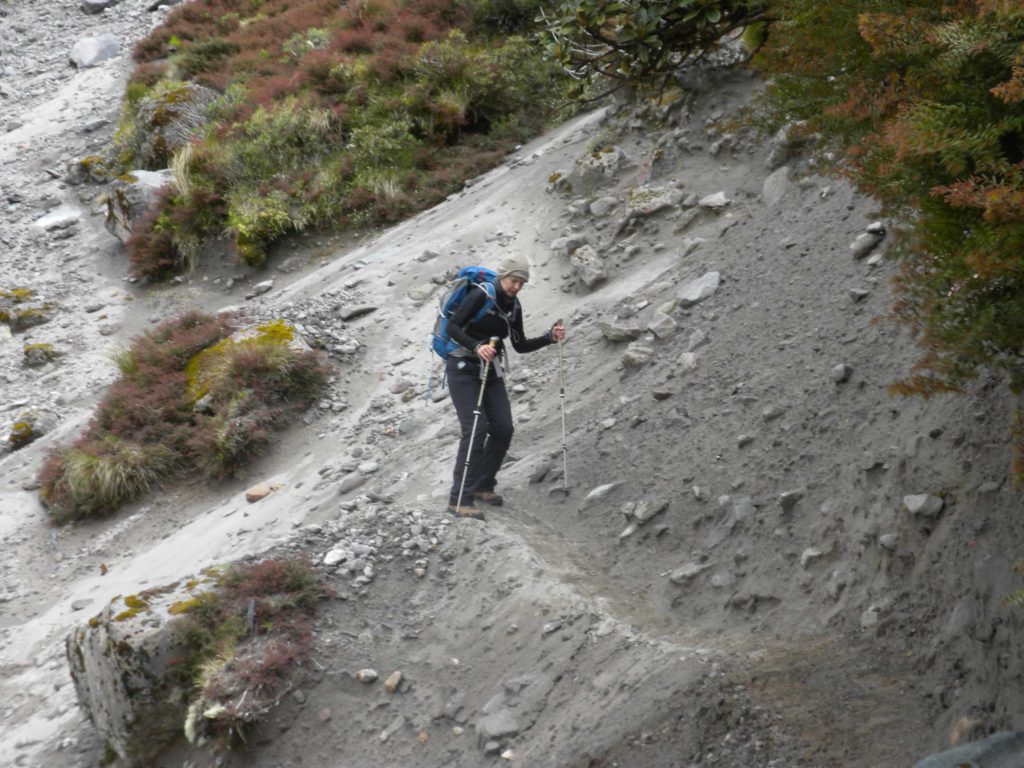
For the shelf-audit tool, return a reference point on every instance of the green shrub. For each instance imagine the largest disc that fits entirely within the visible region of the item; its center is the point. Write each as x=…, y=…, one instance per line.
x=229, y=655
x=147, y=428
x=326, y=113
x=924, y=100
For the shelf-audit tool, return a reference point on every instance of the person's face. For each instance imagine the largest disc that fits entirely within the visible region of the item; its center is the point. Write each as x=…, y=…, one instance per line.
x=510, y=286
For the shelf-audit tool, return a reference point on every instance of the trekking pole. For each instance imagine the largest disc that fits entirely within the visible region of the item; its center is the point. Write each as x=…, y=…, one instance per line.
x=476, y=418
x=561, y=386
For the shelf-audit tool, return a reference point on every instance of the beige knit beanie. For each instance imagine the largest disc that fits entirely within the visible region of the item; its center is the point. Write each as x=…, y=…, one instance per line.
x=515, y=266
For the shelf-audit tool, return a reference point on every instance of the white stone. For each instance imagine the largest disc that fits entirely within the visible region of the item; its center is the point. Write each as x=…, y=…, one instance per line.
x=59, y=218
x=717, y=200
x=698, y=290
x=90, y=51
x=687, y=572
x=924, y=505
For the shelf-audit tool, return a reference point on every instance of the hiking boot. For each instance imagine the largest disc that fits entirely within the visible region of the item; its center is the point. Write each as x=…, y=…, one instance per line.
x=489, y=497
x=465, y=511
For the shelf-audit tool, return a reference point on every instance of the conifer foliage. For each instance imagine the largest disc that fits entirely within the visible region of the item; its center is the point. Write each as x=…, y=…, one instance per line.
x=921, y=104
x=927, y=100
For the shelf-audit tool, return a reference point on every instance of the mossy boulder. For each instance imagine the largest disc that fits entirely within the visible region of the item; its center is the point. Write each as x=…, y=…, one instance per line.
x=126, y=664
x=29, y=426
x=38, y=355
x=159, y=124
x=21, y=309
x=130, y=197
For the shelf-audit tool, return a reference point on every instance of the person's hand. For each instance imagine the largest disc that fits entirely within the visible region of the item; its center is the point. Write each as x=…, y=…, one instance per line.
x=486, y=352
x=558, y=332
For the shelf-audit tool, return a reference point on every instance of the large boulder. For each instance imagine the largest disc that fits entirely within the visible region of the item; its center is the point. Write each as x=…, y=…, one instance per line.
x=589, y=266
x=130, y=197
x=123, y=663
x=596, y=169
x=166, y=121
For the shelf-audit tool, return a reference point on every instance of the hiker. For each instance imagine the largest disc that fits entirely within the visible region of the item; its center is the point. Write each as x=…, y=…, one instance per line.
x=465, y=366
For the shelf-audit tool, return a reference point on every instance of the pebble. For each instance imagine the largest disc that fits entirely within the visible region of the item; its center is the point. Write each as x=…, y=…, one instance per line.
x=841, y=373
x=366, y=675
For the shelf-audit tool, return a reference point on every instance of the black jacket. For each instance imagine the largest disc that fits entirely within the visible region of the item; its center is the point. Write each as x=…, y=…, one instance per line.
x=501, y=324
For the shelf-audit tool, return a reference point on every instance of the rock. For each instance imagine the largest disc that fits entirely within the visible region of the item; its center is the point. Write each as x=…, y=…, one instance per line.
x=92, y=51
x=783, y=145
x=38, y=355
x=167, y=120
x=637, y=355
x=715, y=201
x=368, y=467
x=923, y=505
x=687, y=361
x=808, y=556
x=264, y=286
x=603, y=206
x=616, y=330
x=841, y=373
x=132, y=695
x=698, y=290
x=864, y=244
x=687, y=572
x=643, y=511
x=789, y=499
x=875, y=228
x=354, y=313
x=563, y=246
x=688, y=245
x=79, y=605
x=393, y=681
x=61, y=217
x=598, y=493
x=596, y=169
x=744, y=440
x=350, y=483
x=722, y=579
x=589, y=266
x=888, y=541
x=98, y=6
x=776, y=186
x=497, y=725
x=131, y=197
x=962, y=619
x=258, y=492
x=31, y=425
x=366, y=675
x=869, y=618
x=662, y=325
x=1000, y=750
x=337, y=555
x=646, y=201
x=858, y=294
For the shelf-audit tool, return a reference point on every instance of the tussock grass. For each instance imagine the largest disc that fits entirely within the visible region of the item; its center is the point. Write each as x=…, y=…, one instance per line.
x=237, y=667
x=330, y=114
x=151, y=427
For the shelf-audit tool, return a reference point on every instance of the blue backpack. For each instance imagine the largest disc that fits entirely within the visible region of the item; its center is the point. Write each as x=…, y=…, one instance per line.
x=456, y=292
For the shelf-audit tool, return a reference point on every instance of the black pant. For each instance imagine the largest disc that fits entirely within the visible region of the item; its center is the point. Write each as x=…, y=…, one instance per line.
x=493, y=429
